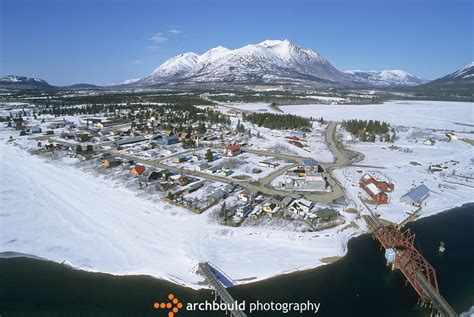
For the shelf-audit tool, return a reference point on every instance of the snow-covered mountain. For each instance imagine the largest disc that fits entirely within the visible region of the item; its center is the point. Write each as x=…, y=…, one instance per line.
x=393, y=77
x=464, y=75
x=21, y=82
x=268, y=62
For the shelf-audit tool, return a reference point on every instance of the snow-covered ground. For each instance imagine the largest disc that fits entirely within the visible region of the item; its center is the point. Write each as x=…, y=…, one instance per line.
x=56, y=211
x=457, y=116
x=395, y=164
x=430, y=119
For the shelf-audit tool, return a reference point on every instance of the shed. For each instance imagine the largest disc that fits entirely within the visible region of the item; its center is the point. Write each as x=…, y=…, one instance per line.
x=416, y=195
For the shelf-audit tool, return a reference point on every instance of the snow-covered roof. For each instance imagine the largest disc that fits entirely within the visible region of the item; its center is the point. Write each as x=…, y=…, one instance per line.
x=416, y=194
x=374, y=189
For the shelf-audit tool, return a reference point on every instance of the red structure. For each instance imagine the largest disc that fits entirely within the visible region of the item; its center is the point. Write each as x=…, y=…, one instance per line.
x=408, y=259
x=383, y=185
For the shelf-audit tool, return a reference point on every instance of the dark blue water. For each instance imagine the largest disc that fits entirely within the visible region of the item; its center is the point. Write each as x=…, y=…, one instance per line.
x=360, y=284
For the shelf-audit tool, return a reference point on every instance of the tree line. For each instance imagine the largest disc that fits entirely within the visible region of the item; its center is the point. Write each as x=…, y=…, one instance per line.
x=278, y=121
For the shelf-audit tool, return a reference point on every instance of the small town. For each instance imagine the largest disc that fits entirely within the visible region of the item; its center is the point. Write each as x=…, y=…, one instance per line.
x=223, y=159
x=236, y=158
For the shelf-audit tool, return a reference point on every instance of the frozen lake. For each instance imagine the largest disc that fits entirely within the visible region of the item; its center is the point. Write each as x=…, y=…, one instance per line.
x=457, y=116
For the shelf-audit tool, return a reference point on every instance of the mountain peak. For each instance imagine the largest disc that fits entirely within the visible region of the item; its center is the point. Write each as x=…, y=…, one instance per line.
x=268, y=62
x=269, y=43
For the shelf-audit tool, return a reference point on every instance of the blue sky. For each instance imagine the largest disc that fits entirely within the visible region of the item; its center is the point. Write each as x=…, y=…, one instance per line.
x=107, y=41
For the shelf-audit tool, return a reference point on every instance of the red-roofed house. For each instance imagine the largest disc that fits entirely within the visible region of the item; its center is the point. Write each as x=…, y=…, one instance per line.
x=232, y=150
x=137, y=170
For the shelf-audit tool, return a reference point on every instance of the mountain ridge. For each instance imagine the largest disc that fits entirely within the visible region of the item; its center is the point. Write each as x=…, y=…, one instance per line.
x=268, y=62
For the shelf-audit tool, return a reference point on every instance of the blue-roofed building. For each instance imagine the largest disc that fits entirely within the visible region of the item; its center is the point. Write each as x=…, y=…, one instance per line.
x=168, y=140
x=311, y=167
x=416, y=195
x=310, y=163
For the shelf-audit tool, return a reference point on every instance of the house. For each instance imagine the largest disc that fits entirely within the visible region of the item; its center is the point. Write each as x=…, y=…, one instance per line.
x=298, y=171
x=268, y=164
x=164, y=175
x=179, y=159
x=416, y=195
x=285, y=202
x=296, y=143
x=435, y=168
x=183, y=135
x=36, y=130
x=310, y=165
x=183, y=180
x=129, y=163
x=111, y=162
x=378, y=196
x=137, y=170
x=149, y=176
x=232, y=150
x=168, y=140
x=248, y=196
x=228, y=188
x=210, y=189
x=243, y=211
x=211, y=169
x=429, y=142
x=201, y=167
x=216, y=195
x=121, y=142
x=82, y=136
x=271, y=206
x=381, y=184
x=89, y=121
x=301, y=206
x=224, y=172
x=194, y=187
x=326, y=214
x=256, y=212
x=452, y=136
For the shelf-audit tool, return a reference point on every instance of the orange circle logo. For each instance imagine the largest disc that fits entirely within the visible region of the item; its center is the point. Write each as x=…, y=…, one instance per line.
x=173, y=305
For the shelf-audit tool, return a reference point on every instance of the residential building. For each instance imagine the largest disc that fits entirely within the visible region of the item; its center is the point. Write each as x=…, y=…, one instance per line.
x=233, y=150
x=137, y=170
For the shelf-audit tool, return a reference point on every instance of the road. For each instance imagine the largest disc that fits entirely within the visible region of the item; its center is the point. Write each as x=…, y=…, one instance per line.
x=262, y=185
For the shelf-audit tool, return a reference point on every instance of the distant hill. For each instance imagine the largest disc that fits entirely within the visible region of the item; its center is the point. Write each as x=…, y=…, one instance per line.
x=20, y=82
x=82, y=86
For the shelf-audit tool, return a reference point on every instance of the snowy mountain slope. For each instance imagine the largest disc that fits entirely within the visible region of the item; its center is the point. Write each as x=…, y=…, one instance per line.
x=385, y=78
x=464, y=75
x=21, y=82
x=268, y=62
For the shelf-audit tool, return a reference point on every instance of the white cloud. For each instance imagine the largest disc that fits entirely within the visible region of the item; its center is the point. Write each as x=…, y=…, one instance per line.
x=137, y=61
x=175, y=31
x=158, y=38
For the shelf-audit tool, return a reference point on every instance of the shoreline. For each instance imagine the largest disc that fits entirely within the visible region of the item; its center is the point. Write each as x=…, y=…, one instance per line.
x=196, y=287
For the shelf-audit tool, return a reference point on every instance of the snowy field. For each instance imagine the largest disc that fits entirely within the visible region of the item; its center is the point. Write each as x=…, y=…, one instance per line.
x=457, y=116
x=56, y=211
